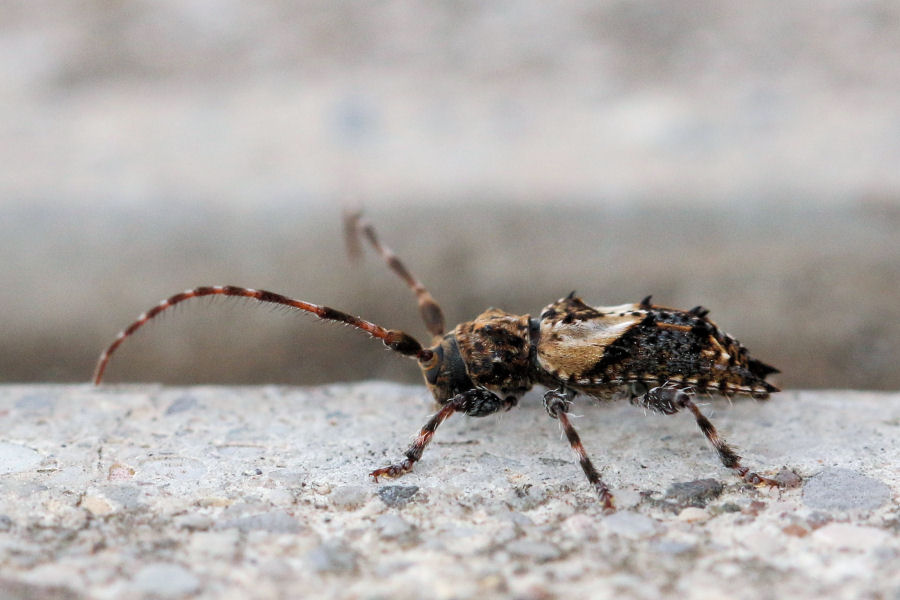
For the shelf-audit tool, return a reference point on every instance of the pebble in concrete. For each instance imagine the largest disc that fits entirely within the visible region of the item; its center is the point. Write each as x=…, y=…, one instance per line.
x=847, y=536
x=692, y=514
x=695, y=493
x=176, y=468
x=332, y=556
x=397, y=495
x=349, y=497
x=35, y=403
x=15, y=458
x=630, y=525
x=534, y=550
x=122, y=496
x=181, y=404
x=96, y=506
x=166, y=580
x=844, y=489
x=392, y=526
x=194, y=522
x=20, y=590
x=788, y=479
x=274, y=522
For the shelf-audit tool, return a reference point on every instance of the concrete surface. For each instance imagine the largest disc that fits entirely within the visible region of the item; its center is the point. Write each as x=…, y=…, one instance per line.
x=158, y=492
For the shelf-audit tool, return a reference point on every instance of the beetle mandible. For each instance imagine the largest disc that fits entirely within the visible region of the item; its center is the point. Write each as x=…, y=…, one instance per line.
x=657, y=357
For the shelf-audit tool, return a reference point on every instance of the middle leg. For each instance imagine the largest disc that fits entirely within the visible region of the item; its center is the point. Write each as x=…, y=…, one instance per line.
x=557, y=403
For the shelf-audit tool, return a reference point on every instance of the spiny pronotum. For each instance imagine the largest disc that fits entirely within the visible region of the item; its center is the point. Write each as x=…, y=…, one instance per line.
x=657, y=357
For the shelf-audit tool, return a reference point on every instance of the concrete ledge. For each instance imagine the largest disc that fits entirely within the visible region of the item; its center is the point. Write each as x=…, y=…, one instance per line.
x=144, y=491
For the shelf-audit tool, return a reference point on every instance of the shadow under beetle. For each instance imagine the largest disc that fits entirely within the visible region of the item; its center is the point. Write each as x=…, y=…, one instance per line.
x=657, y=357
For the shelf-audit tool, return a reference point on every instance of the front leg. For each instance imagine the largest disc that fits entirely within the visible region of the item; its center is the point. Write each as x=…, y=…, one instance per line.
x=475, y=403
x=557, y=403
x=669, y=399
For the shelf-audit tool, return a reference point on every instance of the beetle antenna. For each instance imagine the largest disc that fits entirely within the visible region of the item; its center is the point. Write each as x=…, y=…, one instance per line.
x=392, y=338
x=356, y=226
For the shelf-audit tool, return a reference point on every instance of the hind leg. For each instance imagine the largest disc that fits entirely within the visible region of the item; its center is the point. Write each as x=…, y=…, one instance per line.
x=669, y=399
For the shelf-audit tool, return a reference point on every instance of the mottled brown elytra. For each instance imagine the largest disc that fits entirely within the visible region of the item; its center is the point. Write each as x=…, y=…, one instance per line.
x=657, y=357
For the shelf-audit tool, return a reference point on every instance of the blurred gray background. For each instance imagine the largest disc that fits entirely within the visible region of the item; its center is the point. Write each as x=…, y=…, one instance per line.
x=743, y=156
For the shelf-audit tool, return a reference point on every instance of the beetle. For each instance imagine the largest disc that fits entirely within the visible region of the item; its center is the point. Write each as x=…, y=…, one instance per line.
x=659, y=358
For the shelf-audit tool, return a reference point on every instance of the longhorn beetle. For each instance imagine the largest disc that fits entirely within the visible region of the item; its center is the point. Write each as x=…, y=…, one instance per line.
x=658, y=357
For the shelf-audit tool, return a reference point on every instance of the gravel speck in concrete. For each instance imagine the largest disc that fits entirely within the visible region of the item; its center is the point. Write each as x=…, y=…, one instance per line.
x=392, y=526
x=526, y=497
x=194, y=522
x=818, y=519
x=673, y=547
x=695, y=493
x=692, y=514
x=166, y=580
x=397, y=495
x=96, y=506
x=333, y=556
x=175, y=468
x=36, y=403
x=275, y=522
x=844, y=489
x=349, y=497
x=20, y=590
x=725, y=507
x=534, y=550
x=788, y=479
x=795, y=530
x=630, y=525
x=15, y=458
x=119, y=472
x=123, y=496
x=846, y=536
x=181, y=404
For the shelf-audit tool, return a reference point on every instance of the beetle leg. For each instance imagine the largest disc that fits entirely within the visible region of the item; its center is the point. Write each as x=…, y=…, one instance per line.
x=669, y=399
x=474, y=403
x=557, y=402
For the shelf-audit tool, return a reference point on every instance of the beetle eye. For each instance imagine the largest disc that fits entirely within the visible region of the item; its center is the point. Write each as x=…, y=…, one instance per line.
x=431, y=366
